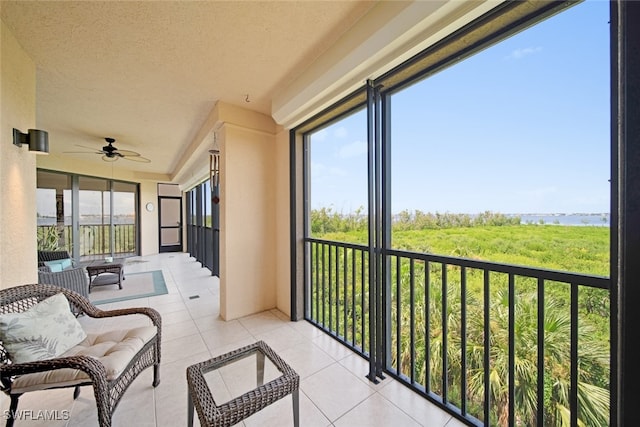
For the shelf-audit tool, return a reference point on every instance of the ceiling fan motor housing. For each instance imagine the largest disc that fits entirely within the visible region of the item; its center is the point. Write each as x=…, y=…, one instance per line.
x=109, y=149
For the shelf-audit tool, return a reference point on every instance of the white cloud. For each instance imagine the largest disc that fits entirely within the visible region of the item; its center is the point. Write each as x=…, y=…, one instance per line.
x=354, y=149
x=521, y=53
x=338, y=172
x=320, y=171
x=321, y=135
x=341, y=132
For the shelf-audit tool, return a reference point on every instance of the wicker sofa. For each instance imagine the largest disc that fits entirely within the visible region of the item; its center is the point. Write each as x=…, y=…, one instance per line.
x=109, y=370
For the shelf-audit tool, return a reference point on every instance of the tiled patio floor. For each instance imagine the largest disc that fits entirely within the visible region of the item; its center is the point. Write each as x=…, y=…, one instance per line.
x=333, y=387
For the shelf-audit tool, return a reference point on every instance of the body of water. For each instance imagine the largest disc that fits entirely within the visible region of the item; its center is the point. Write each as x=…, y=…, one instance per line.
x=88, y=220
x=595, y=219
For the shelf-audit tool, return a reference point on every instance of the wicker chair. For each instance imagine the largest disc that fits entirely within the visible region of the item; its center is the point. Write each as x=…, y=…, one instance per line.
x=74, y=279
x=18, y=378
x=51, y=256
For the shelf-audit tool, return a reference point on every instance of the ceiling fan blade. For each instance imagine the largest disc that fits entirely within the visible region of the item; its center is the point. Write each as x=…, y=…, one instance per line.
x=126, y=153
x=93, y=149
x=137, y=158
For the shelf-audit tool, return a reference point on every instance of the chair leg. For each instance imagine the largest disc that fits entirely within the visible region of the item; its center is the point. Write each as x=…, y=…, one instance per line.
x=13, y=407
x=156, y=375
x=76, y=392
x=296, y=408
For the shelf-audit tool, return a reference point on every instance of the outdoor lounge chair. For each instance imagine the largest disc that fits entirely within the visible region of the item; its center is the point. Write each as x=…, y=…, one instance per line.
x=44, y=256
x=74, y=278
x=109, y=368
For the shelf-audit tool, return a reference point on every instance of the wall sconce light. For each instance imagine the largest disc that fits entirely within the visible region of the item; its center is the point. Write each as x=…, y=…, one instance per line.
x=37, y=140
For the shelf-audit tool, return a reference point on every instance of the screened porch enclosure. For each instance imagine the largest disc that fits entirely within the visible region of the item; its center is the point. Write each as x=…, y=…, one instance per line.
x=88, y=217
x=415, y=251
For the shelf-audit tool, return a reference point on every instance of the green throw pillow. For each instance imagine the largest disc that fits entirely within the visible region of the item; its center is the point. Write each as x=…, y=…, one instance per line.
x=66, y=263
x=45, y=331
x=58, y=264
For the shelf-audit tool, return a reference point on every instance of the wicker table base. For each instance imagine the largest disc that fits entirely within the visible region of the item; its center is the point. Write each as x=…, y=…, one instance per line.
x=232, y=412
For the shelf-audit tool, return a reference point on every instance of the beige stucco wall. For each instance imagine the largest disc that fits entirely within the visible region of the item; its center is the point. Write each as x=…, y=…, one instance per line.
x=148, y=220
x=247, y=215
x=18, y=255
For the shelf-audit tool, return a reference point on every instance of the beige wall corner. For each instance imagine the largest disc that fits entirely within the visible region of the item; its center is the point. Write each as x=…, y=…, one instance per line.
x=248, y=256
x=149, y=243
x=17, y=165
x=282, y=207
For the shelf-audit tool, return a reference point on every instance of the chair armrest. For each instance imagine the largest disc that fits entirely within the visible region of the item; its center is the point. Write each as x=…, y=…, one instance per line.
x=151, y=313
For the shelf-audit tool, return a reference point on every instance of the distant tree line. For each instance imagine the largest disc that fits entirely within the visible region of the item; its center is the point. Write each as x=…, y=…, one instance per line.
x=326, y=220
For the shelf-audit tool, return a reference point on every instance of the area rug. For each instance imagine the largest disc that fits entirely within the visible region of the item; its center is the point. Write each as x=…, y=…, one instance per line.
x=135, y=285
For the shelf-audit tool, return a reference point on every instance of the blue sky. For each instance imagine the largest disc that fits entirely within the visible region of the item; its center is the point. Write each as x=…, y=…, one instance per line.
x=521, y=127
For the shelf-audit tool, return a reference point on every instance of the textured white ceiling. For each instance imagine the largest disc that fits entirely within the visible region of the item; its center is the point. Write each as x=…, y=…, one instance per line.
x=147, y=73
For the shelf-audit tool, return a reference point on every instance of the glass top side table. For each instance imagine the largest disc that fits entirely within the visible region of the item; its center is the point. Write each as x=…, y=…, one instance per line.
x=211, y=413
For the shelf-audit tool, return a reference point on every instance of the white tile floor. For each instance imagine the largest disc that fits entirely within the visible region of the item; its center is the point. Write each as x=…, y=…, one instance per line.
x=333, y=387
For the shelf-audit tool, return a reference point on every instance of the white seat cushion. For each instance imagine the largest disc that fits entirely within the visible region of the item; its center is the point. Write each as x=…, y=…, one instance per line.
x=114, y=349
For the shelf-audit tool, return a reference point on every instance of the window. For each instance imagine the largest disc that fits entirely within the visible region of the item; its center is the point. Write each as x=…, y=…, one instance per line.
x=104, y=213
x=338, y=179
x=491, y=186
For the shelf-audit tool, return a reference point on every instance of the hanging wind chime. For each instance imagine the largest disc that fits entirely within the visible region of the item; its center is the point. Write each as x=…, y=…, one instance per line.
x=214, y=174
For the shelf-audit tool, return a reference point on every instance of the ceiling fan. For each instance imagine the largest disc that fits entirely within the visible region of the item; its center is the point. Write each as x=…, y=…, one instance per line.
x=111, y=153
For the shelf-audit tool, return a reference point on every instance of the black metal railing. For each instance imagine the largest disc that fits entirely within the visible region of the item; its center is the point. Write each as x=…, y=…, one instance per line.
x=94, y=239
x=492, y=344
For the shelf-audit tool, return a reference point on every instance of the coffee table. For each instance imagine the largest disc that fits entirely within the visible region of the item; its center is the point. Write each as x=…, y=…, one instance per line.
x=103, y=273
x=212, y=413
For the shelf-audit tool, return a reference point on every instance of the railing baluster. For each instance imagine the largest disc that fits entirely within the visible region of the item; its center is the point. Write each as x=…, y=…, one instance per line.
x=330, y=288
x=324, y=269
x=398, y=318
x=337, y=281
x=573, y=395
x=314, y=290
x=316, y=252
x=427, y=326
x=363, y=294
x=344, y=293
x=541, y=367
x=486, y=349
x=412, y=318
x=463, y=340
x=512, y=350
x=445, y=338
x=353, y=296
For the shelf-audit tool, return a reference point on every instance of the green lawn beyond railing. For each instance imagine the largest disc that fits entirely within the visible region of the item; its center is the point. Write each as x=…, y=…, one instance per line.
x=474, y=308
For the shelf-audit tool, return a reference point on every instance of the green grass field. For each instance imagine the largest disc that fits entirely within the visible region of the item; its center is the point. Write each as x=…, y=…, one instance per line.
x=578, y=249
